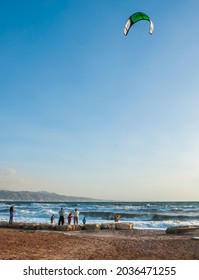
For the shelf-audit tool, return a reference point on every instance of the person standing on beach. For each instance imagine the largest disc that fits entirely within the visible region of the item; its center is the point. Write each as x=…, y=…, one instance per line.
x=52, y=218
x=70, y=216
x=11, y=214
x=61, y=216
x=117, y=217
x=76, y=216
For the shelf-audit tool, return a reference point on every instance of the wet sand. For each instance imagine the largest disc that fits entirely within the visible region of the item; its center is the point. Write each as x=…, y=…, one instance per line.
x=18, y=244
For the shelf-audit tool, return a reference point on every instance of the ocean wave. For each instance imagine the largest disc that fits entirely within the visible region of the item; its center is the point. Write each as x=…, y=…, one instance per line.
x=142, y=214
x=175, y=217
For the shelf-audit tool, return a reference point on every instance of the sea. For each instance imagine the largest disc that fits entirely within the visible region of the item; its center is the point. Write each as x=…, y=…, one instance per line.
x=144, y=215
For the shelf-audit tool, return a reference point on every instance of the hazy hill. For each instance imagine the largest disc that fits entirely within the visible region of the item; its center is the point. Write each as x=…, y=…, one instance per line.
x=40, y=196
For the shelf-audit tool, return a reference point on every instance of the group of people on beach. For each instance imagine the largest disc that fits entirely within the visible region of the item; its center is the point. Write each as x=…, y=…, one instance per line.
x=62, y=213
x=71, y=216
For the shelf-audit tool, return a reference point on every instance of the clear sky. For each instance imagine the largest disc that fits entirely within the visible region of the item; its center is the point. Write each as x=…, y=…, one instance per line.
x=86, y=111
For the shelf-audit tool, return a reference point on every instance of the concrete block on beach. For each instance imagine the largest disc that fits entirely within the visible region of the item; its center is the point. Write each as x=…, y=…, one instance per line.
x=91, y=227
x=116, y=226
x=59, y=227
x=74, y=227
x=107, y=226
x=182, y=229
x=123, y=226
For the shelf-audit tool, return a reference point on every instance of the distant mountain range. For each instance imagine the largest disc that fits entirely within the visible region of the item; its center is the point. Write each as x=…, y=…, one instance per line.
x=40, y=196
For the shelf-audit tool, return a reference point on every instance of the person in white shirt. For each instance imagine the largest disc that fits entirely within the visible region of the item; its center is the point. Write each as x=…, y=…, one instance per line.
x=61, y=216
x=76, y=216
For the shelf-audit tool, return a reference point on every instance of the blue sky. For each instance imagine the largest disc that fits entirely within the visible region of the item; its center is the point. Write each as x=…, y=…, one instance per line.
x=86, y=111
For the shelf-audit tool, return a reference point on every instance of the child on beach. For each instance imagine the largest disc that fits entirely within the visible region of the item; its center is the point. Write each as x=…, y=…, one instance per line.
x=84, y=220
x=70, y=216
x=52, y=218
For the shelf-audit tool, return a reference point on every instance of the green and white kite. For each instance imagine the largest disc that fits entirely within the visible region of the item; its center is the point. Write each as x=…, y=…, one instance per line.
x=135, y=18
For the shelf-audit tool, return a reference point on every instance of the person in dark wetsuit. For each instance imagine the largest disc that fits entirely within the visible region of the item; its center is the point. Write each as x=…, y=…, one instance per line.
x=52, y=218
x=11, y=214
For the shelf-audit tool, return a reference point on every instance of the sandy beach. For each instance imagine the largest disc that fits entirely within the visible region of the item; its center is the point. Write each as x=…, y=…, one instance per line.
x=17, y=244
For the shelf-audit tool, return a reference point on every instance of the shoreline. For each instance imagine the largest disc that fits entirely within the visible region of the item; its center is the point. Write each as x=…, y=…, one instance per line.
x=119, y=225
x=130, y=244
x=68, y=227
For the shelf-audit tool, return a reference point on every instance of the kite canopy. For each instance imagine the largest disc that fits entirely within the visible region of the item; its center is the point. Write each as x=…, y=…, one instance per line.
x=135, y=18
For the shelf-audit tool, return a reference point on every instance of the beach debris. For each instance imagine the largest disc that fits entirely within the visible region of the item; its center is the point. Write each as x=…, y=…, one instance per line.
x=195, y=237
x=28, y=231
